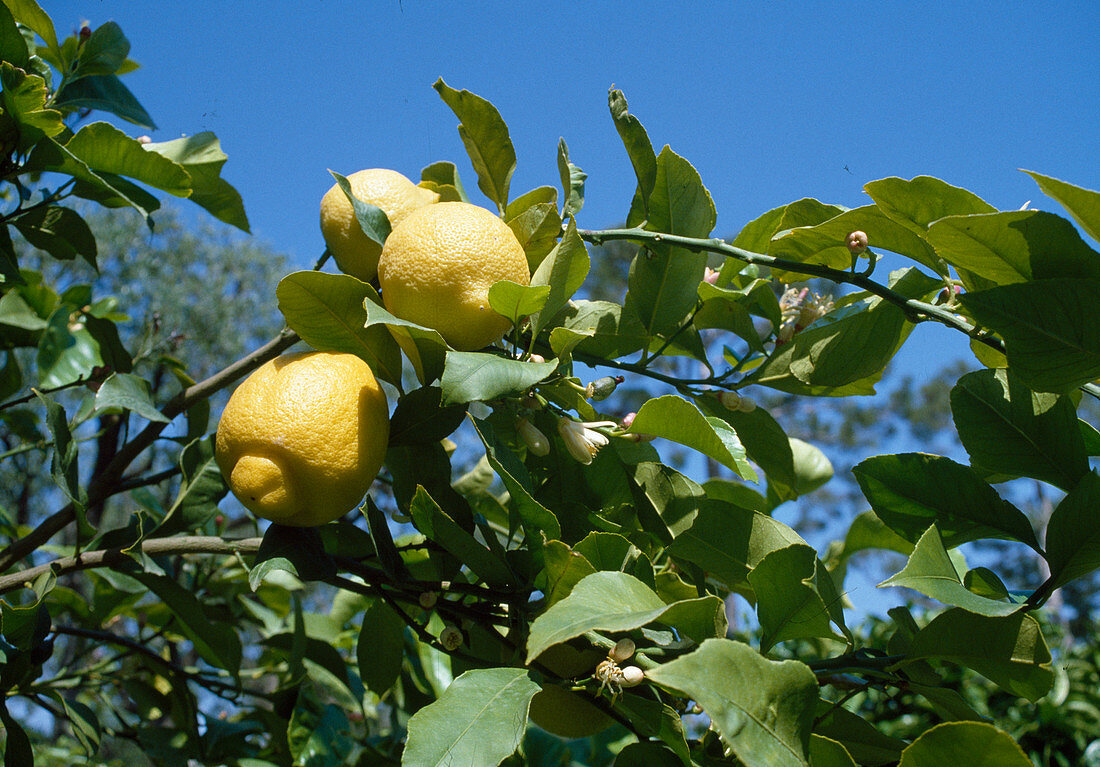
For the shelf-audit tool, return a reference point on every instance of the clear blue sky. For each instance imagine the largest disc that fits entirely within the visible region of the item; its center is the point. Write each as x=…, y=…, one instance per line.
x=770, y=101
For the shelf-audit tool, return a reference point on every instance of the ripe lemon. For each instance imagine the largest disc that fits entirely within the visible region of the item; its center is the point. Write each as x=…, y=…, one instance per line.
x=355, y=253
x=303, y=437
x=437, y=267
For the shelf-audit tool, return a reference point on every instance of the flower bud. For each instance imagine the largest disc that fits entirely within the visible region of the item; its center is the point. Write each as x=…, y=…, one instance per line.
x=533, y=437
x=623, y=650
x=628, y=419
x=451, y=638
x=582, y=441
x=856, y=242
x=536, y=358
x=632, y=676
x=428, y=599
x=710, y=276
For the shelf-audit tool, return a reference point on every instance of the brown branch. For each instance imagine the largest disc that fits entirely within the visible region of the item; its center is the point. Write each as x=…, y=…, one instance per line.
x=107, y=484
x=183, y=544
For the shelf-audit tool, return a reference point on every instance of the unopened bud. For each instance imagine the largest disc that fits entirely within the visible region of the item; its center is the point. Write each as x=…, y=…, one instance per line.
x=144, y=140
x=623, y=650
x=628, y=419
x=627, y=422
x=451, y=638
x=536, y=358
x=85, y=33
x=710, y=276
x=632, y=676
x=856, y=242
x=602, y=388
x=533, y=437
x=428, y=599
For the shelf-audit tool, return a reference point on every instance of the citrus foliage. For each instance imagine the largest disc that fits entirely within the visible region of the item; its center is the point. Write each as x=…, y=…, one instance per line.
x=424, y=639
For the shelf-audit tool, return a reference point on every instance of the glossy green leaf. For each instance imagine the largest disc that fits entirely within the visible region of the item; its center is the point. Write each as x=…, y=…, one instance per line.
x=562, y=569
x=673, y=497
x=103, y=53
x=480, y=376
x=420, y=418
x=437, y=526
x=201, y=488
x=1013, y=246
x=17, y=746
x=105, y=93
x=66, y=352
x=756, y=235
x=327, y=311
x=600, y=328
x=380, y=647
x=563, y=270
x=30, y=13
x=931, y=572
x=84, y=723
x=318, y=736
x=975, y=744
x=485, y=136
x=478, y=721
x=1073, y=532
x=572, y=182
x=661, y=287
x=215, y=641
x=826, y=752
x=765, y=442
x=1008, y=429
x=13, y=46
x=762, y=709
x=614, y=601
x=867, y=744
x=1009, y=651
x=639, y=150
x=1051, y=329
x=298, y=550
x=128, y=392
x=442, y=177
x=59, y=231
x=424, y=347
x=536, y=223
x=910, y=491
x=65, y=460
x=371, y=219
x=24, y=99
x=676, y=419
x=539, y=523
x=202, y=157
x=728, y=541
x=514, y=301
x=918, y=202
x=788, y=603
x=1082, y=204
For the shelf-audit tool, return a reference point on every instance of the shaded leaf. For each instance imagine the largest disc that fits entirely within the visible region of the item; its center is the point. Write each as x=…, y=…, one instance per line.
x=480, y=376
x=572, y=182
x=539, y=523
x=298, y=550
x=128, y=392
x=676, y=419
x=918, y=202
x=1082, y=204
x=106, y=93
x=424, y=347
x=202, y=156
x=563, y=271
x=1073, y=533
x=788, y=603
x=975, y=744
x=437, y=526
x=380, y=647
x=420, y=418
x=200, y=489
x=371, y=219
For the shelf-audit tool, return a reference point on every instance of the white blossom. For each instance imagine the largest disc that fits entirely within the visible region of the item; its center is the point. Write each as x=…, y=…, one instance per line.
x=581, y=439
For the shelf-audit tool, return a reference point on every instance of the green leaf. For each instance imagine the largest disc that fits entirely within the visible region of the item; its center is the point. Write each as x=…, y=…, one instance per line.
x=478, y=721
x=673, y=497
x=1012, y=246
x=200, y=489
x=572, y=183
x=910, y=491
x=128, y=392
x=562, y=569
x=437, y=526
x=388, y=556
x=59, y=231
x=83, y=721
x=538, y=521
x=1009, y=651
x=826, y=752
x=30, y=14
x=103, y=53
x=975, y=744
x=486, y=139
x=17, y=746
x=202, y=157
x=66, y=453
x=918, y=202
x=216, y=642
x=863, y=741
x=420, y=419
x=1082, y=204
x=329, y=312
x=766, y=444
x=639, y=149
x=514, y=301
x=479, y=376
x=106, y=93
x=931, y=572
x=563, y=271
x=728, y=541
x=647, y=754
x=661, y=287
x=297, y=550
x=762, y=709
x=535, y=221
x=24, y=99
x=1073, y=533
x=614, y=601
x=424, y=347
x=380, y=647
x=1051, y=329
x=788, y=603
x=372, y=219
x=676, y=419
x=442, y=177
x=318, y=739
x=13, y=46
x=1008, y=429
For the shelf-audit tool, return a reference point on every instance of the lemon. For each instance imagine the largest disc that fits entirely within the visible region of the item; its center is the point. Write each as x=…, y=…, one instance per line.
x=303, y=437
x=356, y=253
x=437, y=267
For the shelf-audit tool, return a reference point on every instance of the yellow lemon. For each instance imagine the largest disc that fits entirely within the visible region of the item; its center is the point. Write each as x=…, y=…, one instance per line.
x=303, y=437
x=437, y=267
x=355, y=253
